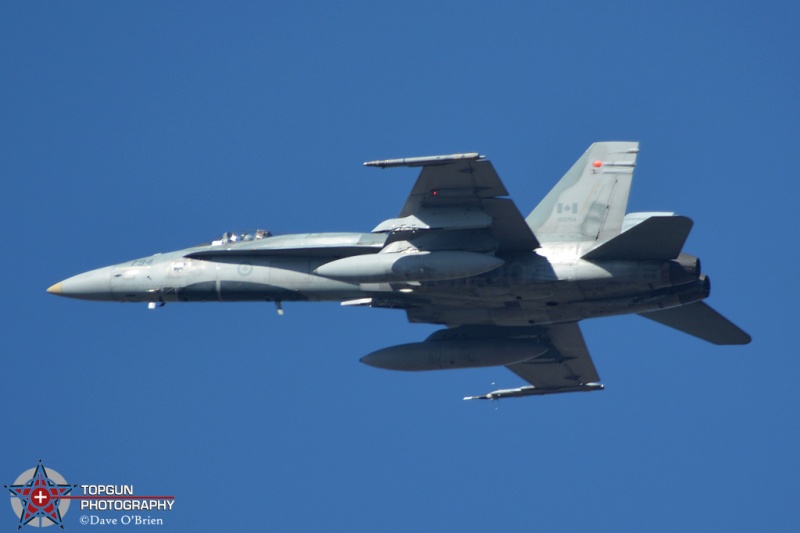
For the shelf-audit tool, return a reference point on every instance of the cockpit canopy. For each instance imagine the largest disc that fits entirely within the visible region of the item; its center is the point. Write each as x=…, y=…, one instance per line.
x=232, y=237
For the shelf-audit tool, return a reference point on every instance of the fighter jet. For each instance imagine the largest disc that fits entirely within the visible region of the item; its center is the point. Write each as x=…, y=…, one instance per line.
x=510, y=290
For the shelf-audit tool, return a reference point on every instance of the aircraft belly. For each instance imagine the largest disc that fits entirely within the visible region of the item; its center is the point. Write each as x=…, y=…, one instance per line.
x=542, y=303
x=285, y=280
x=232, y=281
x=291, y=275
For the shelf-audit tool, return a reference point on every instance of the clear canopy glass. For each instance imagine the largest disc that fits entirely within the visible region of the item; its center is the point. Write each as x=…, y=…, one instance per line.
x=232, y=237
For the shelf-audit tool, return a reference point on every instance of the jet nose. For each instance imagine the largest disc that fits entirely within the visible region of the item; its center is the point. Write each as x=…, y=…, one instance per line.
x=92, y=285
x=55, y=289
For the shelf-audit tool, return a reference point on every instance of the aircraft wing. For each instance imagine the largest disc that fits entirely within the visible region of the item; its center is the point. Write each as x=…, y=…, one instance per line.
x=460, y=191
x=566, y=367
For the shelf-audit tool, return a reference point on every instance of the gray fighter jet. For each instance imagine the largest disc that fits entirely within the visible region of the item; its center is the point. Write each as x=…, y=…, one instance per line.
x=511, y=290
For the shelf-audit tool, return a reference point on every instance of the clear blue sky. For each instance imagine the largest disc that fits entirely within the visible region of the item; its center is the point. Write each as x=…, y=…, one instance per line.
x=129, y=128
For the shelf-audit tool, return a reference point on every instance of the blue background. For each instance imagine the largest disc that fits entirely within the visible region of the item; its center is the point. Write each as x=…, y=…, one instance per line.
x=129, y=128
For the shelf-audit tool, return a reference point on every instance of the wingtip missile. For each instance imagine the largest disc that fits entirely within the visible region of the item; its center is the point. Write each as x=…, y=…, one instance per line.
x=423, y=161
x=531, y=390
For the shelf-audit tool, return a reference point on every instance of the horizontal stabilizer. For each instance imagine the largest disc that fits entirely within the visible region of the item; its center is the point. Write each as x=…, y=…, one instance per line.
x=702, y=321
x=655, y=239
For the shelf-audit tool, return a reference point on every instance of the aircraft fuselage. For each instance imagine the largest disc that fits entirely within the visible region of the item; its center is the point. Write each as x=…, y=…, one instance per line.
x=543, y=286
x=511, y=290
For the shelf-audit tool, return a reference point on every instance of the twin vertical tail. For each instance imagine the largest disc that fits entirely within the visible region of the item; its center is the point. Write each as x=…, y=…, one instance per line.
x=588, y=206
x=588, y=203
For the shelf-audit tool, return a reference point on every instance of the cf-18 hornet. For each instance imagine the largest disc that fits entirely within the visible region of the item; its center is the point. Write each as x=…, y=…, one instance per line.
x=510, y=290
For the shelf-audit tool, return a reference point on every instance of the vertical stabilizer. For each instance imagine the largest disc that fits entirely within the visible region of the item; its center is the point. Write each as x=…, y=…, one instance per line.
x=588, y=203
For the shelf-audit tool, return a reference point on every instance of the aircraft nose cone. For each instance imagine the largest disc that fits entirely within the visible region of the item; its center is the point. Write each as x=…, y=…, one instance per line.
x=55, y=289
x=92, y=285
